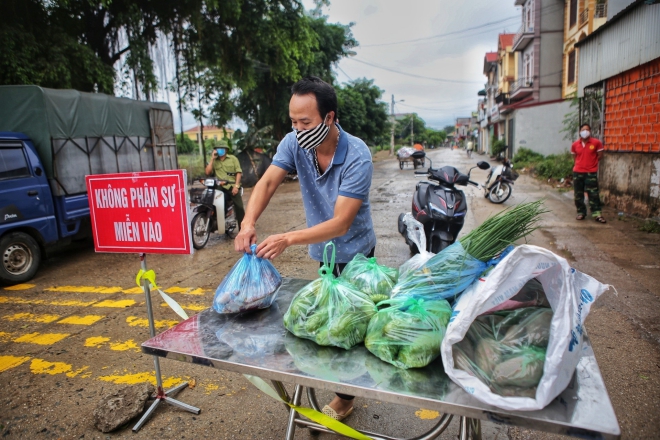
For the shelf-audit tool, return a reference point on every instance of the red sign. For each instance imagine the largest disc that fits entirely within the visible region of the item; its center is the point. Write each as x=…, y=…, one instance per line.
x=140, y=212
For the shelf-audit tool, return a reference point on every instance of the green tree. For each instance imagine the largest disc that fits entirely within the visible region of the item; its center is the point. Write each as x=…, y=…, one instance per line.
x=449, y=129
x=185, y=145
x=402, y=131
x=361, y=112
x=434, y=137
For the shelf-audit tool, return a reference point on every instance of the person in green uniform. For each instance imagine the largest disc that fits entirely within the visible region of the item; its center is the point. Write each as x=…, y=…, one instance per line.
x=226, y=167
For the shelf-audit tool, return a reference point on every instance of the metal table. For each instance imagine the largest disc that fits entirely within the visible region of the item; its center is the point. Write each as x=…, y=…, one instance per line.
x=258, y=344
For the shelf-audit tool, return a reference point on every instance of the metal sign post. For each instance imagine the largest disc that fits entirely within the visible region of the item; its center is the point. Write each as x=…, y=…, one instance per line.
x=139, y=213
x=160, y=394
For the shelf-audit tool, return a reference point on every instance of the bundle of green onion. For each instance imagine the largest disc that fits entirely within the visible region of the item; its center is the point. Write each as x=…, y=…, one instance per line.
x=451, y=271
x=502, y=229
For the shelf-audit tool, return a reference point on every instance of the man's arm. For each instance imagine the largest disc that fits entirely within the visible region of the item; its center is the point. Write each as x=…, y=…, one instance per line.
x=261, y=195
x=209, y=167
x=237, y=185
x=346, y=208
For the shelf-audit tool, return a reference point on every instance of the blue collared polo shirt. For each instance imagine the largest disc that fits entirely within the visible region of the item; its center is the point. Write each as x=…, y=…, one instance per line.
x=348, y=175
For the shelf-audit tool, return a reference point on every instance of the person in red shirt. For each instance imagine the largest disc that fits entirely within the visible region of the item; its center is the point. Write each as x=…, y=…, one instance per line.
x=586, y=152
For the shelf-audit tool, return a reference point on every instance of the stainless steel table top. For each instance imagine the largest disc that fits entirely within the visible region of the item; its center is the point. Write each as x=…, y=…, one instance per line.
x=257, y=343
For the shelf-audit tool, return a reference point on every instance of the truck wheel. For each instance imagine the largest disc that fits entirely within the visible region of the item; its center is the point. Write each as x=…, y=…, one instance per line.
x=21, y=256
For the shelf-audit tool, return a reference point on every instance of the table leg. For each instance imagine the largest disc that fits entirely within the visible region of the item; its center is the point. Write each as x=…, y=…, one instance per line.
x=281, y=391
x=293, y=415
x=470, y=429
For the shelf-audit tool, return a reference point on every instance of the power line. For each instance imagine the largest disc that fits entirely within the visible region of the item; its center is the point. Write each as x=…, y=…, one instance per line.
x=445, y=34
x=415, y=76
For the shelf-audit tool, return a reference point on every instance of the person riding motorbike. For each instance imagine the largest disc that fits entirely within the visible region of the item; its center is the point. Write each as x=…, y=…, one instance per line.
x=226, y=167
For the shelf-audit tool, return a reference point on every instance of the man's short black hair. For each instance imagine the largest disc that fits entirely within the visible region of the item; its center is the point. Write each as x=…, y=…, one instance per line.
x=326, y=97
x=585, y=125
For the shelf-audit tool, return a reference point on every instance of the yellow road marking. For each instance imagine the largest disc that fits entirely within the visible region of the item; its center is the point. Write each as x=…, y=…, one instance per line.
x=98, y=341
x=4, y=336
x=131, y=379
x=31, y=318
x=7, y=362
x=115, y=304
x=134, y=321
x=193, y=307
x=20, y=287
x=133, y=291
x=41, y=338
x=81, y=320
x=17, y=300
x=427, y=414
x=186, y=290
x=40, y=366
x=84, y=289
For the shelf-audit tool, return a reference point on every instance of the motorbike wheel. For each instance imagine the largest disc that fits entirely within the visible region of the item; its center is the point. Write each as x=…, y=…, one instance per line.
x=438, y=245
x=200, y=230
x=499, y=193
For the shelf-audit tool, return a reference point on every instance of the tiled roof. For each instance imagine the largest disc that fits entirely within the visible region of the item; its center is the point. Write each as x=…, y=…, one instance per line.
x=506, y=40
x=491, y=57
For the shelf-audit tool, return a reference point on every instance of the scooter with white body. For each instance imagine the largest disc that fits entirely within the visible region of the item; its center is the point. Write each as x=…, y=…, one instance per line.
x=211, y=213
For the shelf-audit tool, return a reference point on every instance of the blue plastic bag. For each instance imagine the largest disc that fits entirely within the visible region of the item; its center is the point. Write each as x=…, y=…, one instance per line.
x=251, y=284
x=446, y=275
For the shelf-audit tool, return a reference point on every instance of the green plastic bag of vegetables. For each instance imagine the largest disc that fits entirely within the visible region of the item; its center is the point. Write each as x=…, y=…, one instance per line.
x=407, y=333
x=370, y=277
x=329, y=310
x=506, y=350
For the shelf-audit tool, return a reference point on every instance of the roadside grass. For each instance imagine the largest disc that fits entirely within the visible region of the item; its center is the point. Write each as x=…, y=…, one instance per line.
x=648, y=225
x=193, y=164
x=554, y=167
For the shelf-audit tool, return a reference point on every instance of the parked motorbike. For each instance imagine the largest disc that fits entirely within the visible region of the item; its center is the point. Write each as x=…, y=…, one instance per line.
x=498, y=187
x=211, y=201
x=439, y=205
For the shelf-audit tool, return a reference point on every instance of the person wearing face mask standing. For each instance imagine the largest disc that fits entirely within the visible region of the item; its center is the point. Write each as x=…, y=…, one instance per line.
x=226, y=167
x=587, y=151
x=334, y=170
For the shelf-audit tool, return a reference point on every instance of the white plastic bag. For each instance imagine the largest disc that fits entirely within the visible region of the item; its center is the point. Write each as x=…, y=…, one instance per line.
x=570, y=294
x=415, y=231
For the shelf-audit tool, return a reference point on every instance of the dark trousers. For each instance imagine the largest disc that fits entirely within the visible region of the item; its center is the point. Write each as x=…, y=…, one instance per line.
x=338, y=269
x=586, y=182
x=238, y=204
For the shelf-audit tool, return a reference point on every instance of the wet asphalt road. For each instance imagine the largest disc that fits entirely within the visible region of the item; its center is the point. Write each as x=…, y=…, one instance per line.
x=73, y=334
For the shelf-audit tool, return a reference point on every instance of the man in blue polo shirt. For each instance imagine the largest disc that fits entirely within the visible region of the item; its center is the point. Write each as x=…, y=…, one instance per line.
x=334, y=170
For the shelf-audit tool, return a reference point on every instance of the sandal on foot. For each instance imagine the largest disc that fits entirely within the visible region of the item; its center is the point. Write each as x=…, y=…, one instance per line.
x=580, y=217
x=334, y=414
x=600, y=219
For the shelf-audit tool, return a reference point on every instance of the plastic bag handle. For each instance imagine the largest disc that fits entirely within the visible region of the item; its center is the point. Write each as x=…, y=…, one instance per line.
x=325, y=269
x=253, y=249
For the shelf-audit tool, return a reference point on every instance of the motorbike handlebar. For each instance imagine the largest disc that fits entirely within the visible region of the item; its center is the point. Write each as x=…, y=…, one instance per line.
x=473, y=183
x=420, y=173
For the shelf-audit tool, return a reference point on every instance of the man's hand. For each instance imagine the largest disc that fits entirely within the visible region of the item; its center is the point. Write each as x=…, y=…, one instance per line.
x=234, y=190
x=245, y=238
x=214, y=154
x=272, y=246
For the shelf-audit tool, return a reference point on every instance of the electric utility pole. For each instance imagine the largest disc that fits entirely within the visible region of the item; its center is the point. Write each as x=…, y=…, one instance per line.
x=412, y=131
x=392, y=131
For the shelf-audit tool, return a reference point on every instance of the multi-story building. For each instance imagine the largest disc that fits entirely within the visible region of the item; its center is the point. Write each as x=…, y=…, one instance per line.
x=581, y=18
x=537, y=109
x=507, y=73
x=487, y=126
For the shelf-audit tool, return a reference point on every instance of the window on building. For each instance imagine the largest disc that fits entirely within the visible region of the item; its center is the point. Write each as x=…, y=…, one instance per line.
x=529, y=15
x=573, y=13
x=215, y=137
x=206, y=138
x=528, y=69
x=571, y=67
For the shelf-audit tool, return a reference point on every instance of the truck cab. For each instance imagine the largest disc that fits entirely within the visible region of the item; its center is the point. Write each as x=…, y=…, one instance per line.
x=27, y=214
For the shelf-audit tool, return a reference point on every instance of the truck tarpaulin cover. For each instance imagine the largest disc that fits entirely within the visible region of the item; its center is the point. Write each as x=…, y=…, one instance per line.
x=45, y=114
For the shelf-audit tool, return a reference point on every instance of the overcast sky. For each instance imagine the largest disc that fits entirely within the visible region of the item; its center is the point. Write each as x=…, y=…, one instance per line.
x=428, y=53
x=385, y=28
